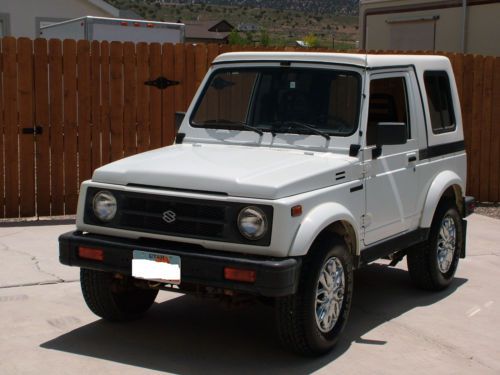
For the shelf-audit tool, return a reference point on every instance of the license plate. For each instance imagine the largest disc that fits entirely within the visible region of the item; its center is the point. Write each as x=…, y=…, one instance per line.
x=163, y=268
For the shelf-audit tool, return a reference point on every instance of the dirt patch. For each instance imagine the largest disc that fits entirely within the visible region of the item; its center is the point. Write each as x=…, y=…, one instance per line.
x=488, y=209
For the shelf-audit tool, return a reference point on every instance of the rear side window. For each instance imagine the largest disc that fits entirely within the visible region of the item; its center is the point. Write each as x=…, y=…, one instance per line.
x=437, y=86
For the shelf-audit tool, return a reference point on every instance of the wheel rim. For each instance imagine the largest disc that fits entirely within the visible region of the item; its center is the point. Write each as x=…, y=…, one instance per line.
x=329, y=294
x=446, y=244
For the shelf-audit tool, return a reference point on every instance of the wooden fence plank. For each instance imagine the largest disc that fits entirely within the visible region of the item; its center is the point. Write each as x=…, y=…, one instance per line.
x=56, y=127
x=180, y=75
x=84, y=111
x=42, y=119
x=458, y=70
x=466, y=104
x=95, y=72
x=168, y=97
x=129, y=98
x=116, y=87
x=70, y=126
x=476, y=124
x=2, y=144
x=26, y=122
x=200, y=64
x=212, y=53
x=105, y=126
x=11, y=127
x=142, y=97
x=486, y=106
x=189, y=75
x=494, y=192
x=155, y=94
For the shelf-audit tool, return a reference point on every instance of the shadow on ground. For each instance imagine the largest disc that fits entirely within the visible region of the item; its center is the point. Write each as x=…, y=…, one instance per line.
x=191, y=336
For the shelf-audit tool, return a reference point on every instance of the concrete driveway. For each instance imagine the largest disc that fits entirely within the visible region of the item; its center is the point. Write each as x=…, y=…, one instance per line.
x=45, y=326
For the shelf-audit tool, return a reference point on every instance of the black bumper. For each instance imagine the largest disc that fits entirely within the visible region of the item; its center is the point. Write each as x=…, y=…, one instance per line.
x=274, y=276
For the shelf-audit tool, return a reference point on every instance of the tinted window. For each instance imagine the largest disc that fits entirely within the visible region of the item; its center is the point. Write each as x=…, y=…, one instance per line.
x=388, y=103
x=437, y=86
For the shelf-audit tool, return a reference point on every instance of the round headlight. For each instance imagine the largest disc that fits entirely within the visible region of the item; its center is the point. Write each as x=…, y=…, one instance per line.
x=252, y=223
x=104, y=205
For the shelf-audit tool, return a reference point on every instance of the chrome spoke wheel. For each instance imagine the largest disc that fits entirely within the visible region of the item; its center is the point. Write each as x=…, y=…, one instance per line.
x=446, y=244
x=329, y=294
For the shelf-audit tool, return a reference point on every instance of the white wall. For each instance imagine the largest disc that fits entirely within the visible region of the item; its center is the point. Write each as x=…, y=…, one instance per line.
x=25, y=15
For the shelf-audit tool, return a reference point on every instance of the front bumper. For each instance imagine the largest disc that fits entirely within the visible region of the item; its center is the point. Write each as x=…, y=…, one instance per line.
x=274, y=276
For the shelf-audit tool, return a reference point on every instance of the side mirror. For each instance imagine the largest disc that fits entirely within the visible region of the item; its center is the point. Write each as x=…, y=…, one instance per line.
x=392, y=133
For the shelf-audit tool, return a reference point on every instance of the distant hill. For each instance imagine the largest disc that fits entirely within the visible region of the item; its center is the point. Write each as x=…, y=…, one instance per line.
x=338, y=7
x=285, y=21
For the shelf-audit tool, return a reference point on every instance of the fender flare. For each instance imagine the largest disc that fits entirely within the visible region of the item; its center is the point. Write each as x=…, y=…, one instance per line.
x=316, y=221
x=442, y=182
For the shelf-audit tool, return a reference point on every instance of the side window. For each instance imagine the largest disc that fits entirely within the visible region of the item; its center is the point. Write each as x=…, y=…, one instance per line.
x=388, y=103
x=437, y=86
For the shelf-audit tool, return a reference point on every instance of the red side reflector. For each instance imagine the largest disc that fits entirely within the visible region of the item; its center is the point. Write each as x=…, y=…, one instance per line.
x=89, y=253
x=150, y=25
x=296, y=210
x=124, y=23
x=137, y=24
x=235, y=274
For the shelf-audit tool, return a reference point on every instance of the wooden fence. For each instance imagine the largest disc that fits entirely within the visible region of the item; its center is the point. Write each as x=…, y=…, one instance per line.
x=69, y=107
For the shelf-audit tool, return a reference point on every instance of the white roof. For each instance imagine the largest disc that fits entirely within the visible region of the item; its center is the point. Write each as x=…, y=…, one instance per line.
x=356, y=59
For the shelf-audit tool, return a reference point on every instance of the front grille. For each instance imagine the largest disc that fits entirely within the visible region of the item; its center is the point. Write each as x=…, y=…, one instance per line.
x=194, y=218
x=146, y=213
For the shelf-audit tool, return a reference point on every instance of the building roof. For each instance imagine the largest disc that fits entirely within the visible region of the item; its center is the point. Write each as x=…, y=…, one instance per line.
x=208, y=29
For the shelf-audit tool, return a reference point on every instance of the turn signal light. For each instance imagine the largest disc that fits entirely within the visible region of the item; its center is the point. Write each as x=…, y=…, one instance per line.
x=296, y=210
x=89, y=253
x=235, y=274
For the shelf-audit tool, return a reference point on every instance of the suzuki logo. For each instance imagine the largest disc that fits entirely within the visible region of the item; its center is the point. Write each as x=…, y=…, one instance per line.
x=169, y=216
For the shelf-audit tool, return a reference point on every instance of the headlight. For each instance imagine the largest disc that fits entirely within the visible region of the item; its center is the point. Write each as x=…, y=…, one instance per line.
x=252, y=223
x=104, y=205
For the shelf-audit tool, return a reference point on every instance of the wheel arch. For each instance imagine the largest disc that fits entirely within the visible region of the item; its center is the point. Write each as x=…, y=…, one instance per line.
x=446, y=185
x=328, y=218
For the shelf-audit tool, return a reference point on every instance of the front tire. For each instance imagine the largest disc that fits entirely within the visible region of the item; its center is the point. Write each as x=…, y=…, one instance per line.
x=432, y=265
x=113, y=299
x=311, y=320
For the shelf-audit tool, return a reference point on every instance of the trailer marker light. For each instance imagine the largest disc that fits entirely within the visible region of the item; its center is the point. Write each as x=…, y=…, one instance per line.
x=150, y=25
x=123, y=23
x=237, y=274
x=89, y=253
x=137, y=24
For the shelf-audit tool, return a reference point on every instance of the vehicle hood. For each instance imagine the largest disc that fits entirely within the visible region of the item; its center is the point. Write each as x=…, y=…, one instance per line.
x=240, y=171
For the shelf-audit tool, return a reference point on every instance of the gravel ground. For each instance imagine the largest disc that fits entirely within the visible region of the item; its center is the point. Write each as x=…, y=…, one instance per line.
x=488, y=209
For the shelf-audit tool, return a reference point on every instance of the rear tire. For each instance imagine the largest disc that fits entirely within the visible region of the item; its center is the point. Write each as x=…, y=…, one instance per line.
x=113, y=299
x=432, y=265
x=311, y=320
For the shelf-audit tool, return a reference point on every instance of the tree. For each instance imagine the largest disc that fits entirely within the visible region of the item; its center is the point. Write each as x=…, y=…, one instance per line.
x=235, y=38
x=311, y=40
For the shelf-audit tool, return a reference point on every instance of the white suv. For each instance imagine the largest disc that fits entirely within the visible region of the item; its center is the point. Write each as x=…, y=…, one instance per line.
x=290, y=171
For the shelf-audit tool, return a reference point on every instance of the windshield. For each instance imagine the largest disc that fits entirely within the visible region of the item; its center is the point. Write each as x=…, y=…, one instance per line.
x=281, y=100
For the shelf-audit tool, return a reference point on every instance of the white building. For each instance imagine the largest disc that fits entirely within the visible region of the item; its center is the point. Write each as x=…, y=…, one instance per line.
x=468, y=26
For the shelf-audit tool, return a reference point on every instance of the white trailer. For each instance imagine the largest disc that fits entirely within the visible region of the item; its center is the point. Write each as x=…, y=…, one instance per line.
x=115, y=29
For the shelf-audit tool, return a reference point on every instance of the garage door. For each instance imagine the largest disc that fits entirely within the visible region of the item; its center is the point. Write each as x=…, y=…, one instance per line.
x=414, y=35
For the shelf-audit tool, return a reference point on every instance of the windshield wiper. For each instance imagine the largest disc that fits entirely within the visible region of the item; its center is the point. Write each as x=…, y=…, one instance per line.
x=253, y=128
x=244, y=125
x=307, y=126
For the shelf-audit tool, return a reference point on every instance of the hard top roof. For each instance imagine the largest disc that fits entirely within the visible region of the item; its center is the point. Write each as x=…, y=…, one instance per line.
x=356, y=59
